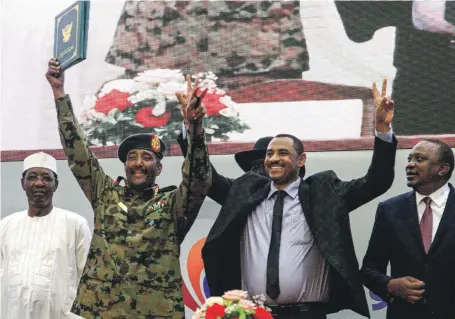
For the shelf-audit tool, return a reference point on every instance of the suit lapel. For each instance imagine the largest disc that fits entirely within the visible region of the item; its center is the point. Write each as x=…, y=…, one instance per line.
x=410, y=217
x=304, y=196
x=241, y=209
x=319, y=228
x=446, y=221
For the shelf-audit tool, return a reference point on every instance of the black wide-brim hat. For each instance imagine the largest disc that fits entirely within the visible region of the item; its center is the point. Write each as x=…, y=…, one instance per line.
x=245, y=159
x=143, y=141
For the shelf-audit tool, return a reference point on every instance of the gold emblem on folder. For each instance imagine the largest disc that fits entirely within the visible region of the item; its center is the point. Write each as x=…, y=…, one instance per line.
x=66, y=32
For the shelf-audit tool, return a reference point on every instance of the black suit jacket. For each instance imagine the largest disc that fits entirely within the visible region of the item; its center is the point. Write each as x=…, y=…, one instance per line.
x=396, y=240
x=326, y=202
x=220, y=184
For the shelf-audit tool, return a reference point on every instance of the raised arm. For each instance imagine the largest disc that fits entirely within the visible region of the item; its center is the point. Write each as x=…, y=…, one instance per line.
x=82, y=162
x=381, y=172
x=196, y=169
x=220, y=184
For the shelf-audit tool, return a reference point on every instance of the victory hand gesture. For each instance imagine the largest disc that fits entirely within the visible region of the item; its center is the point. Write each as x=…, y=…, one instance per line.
x=191, y=107
x=384, y=108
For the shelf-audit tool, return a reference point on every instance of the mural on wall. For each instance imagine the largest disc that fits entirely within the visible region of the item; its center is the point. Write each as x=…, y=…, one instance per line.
x=301, y=67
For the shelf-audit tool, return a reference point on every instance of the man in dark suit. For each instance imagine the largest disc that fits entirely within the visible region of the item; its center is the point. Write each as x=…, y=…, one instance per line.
x=308, y=268
x=421, y=256
x=424, y=57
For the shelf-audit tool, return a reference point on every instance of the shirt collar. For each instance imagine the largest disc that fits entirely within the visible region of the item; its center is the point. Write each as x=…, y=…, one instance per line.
x=291, y=189
x=438, y=197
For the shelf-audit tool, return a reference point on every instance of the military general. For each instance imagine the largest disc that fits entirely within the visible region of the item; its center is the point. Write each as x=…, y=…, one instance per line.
x=133, y=269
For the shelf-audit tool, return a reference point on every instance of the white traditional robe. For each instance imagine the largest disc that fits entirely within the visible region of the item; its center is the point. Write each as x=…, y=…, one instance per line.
x=42, y=259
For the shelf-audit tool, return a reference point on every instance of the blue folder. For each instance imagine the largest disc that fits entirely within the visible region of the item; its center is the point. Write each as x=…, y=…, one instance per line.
x=71, y=34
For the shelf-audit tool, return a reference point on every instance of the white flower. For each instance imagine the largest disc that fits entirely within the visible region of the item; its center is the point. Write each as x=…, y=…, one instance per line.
x=247, y=305
x=168, y=89
x=89, y=101
x=91, y=115
x=235, y=295
x=149, y=94
x=207, y=80
x=160, y=75
x=230, y=110
x=159, y=108
x=198, y=314
x=214, y=300
x=124, y=118
x=123, y=85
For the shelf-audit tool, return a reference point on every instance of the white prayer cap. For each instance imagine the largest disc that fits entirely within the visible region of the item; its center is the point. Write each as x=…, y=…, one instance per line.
x=42, y=160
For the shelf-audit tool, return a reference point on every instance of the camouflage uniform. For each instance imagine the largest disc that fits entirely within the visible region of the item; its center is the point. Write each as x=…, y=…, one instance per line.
x=225, y=37
x=132, y=269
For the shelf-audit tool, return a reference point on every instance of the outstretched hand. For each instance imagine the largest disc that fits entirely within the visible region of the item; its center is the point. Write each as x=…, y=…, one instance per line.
x=191, y=106
x=384, y=108
x=184, y=97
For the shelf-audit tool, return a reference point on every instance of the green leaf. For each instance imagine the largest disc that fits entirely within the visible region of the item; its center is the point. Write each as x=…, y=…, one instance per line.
x=242, y=314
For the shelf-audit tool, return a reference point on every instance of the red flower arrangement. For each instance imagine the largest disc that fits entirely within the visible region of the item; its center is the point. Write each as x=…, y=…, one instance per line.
x=147, y=104
x=233, y=305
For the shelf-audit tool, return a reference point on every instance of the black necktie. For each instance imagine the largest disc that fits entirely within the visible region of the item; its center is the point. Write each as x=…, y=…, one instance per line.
x=450, y=12
x=273, y=259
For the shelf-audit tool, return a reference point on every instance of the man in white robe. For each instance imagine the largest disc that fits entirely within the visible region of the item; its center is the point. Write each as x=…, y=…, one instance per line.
x=43, y=249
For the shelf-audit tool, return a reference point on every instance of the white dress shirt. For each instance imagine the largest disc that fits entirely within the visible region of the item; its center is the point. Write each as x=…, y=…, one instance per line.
x=438, y=204
x=41, y=263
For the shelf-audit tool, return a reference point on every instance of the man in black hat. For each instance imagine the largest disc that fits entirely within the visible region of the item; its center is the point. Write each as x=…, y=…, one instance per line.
x=133, y=267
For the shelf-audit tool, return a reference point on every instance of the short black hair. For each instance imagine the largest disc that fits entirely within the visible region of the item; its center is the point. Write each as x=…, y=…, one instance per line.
x=445, y=154
x=298, y=145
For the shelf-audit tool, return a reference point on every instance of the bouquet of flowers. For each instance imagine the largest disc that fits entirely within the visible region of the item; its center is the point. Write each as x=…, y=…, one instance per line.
x=147, y=104
x=233, y=304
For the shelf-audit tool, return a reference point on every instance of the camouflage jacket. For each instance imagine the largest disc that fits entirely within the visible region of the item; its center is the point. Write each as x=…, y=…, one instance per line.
x=132, y=268
x=225, y=37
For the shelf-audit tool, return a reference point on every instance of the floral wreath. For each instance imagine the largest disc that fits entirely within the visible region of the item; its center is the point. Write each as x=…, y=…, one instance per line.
x=233, y=305
x=148, y=104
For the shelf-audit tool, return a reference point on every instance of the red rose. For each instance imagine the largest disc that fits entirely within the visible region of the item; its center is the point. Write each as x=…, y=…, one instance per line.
x=215, y=311
x=261, y=313
x=212, y=103
x=114, y=99
x=145, y=117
